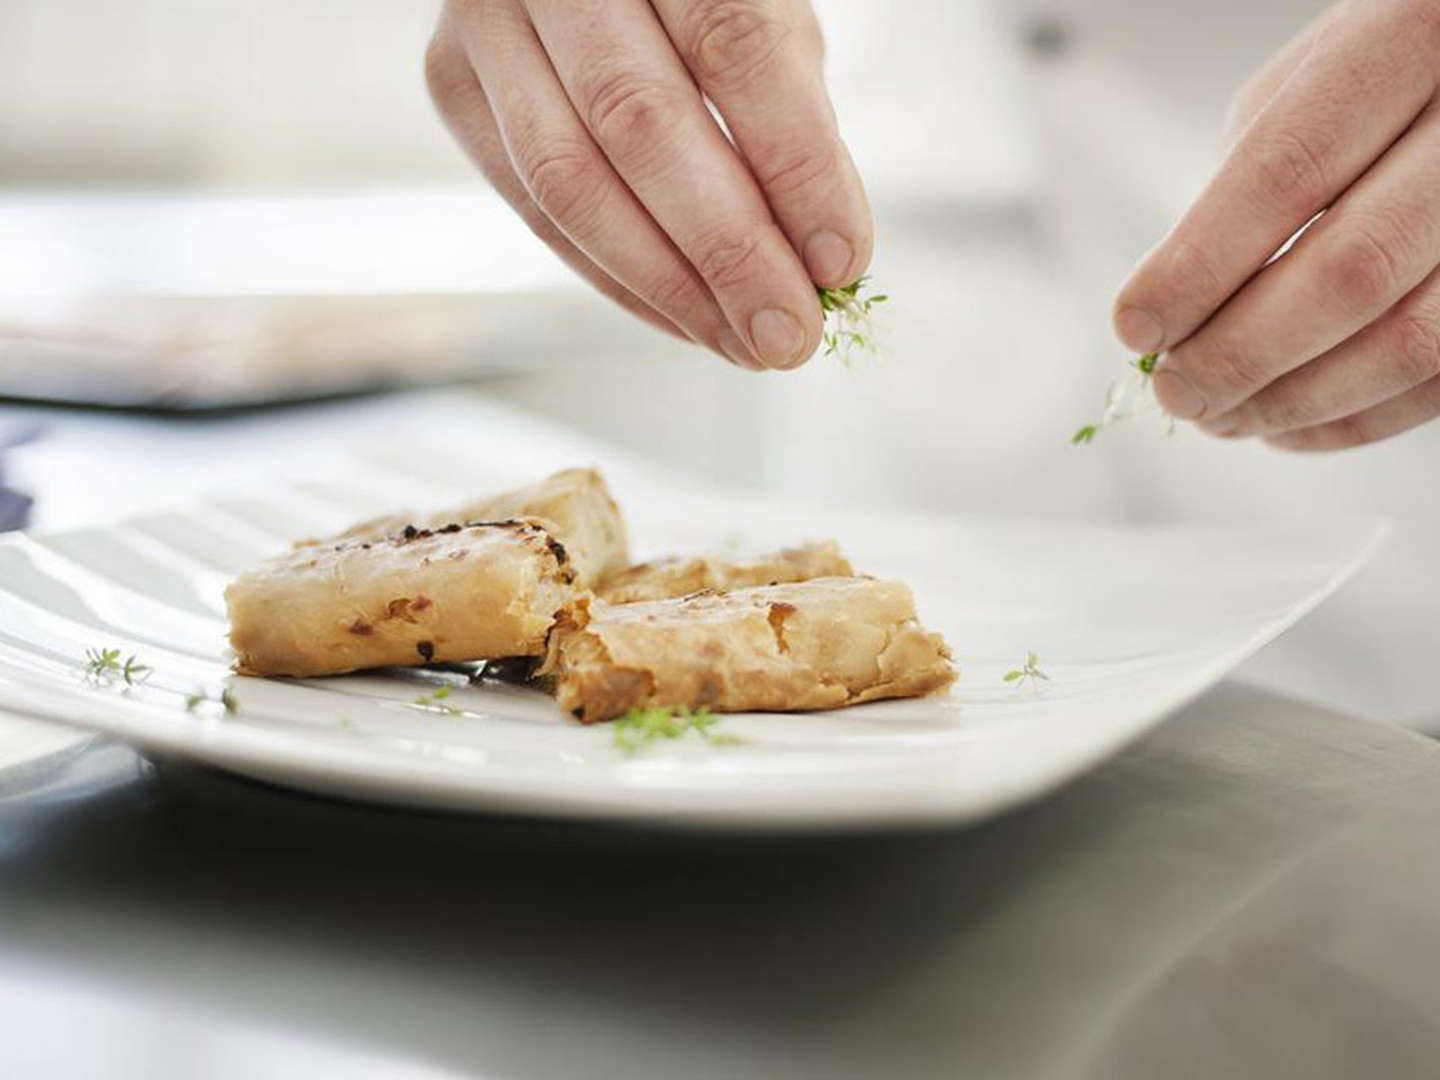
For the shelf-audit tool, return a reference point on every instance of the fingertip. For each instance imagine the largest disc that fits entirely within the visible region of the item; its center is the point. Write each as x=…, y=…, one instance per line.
x=830, y=259
x=1222, y=427
x=1139, y=330
x=730, y=345
x=1177, y=394
x=780, y=339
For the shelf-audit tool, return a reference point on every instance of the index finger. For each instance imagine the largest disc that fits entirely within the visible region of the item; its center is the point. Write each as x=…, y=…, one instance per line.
x=759, y=61
x=1343, y=105
x=639, y=102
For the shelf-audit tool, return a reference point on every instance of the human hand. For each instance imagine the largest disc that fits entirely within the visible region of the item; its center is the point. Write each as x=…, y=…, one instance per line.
x=589, y=117
x=1336, y=342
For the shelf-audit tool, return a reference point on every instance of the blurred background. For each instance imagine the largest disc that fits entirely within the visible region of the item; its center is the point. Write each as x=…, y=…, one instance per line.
x=223, y=203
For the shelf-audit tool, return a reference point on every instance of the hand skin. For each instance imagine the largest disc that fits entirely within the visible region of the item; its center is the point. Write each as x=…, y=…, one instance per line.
x=590, y=118
x=1335, y=343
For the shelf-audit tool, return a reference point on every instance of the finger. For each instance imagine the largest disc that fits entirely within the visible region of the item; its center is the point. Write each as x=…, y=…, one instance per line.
x=1367, y=76
x=759, y=61
x=1397, y=352
x=642, y=261
x=639, y=102
x=1266, y=83
x=1393, y=417
x=1370, y=250
x=466, y=113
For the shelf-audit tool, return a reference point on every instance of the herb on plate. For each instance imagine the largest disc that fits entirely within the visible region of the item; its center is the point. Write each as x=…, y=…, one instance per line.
x=847, y=319
x=1127, y=398
x=436, y=700
x=639, y=727
x=226, y=700
x=106, y=664
x=1030, y=673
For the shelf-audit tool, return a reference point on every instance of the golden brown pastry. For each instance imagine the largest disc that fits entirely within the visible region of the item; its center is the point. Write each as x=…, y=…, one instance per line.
x=577, y=502
x=666, y=578
x=811, y=645
x=454, y=593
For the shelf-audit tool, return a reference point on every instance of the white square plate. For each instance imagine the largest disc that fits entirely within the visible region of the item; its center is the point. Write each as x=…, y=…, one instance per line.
x=1128, y=623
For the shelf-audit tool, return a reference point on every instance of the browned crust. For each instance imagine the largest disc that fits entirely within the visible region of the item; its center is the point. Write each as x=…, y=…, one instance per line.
x=663, y=579
x=813, y=645
x=413, y=598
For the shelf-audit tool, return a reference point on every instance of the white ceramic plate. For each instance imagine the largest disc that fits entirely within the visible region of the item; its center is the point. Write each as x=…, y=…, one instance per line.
x=1128, y=623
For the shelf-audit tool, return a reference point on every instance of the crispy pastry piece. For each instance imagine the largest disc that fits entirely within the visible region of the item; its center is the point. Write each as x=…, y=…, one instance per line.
x=810, y=645
x=666, y=578
x=460, y=592
x=580, y=507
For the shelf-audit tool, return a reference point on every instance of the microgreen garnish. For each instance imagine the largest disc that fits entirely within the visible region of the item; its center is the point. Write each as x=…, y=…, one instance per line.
x=225, y=699
x=642, y=726
x=436, y=700
x=1030, y=673
x=106, y=664
x=1127, y=398
x=847, y=319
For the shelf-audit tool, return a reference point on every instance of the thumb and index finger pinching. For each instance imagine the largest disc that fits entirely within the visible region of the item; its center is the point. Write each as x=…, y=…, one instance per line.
x=1344, y=102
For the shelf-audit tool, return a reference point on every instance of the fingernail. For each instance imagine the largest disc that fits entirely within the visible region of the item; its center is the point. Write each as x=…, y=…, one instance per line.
x=828, y=256
x=778, y=337
x=1139, y=330
x=1177, y=396
x=1221, y=426
x=731, y=345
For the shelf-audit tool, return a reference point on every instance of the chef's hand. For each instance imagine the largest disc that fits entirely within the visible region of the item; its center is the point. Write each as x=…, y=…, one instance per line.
x=1337, y=342
x=590, y=118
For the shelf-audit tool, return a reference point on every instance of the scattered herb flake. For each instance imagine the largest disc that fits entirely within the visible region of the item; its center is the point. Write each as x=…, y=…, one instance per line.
x=436, y=700
x=1030, y=673
x=225, y=699
x=102, y=663
x=106, y=664
x=639, y=727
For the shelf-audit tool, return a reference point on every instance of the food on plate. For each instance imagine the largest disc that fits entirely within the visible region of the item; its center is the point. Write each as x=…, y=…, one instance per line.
x=453, y=592
x=576, y=502
x=817, y=644
x=666, y=578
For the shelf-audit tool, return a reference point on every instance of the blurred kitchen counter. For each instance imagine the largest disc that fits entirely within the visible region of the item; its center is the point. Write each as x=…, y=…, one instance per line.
x=1247, y=892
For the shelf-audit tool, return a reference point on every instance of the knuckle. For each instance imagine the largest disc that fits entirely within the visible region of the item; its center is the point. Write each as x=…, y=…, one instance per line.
x=676, y=293
x=1292, y=168
x=729, y=42
x=798, y=168
x=443, y=70
x=632, y=116
x=727, y=259
x=1285, y=410
x=1233, y=368
x=561, y=178
x=1189, y=272
x=1417, y=348
x=1360, y=271
x=1352, y=430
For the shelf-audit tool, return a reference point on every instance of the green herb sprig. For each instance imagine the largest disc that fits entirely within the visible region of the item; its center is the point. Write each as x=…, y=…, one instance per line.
x=226, y=700
x=1127, y=398
x=436, y=700
x=639, y=727
x=1030, y=673
x=847, y=320
x=105, y=664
